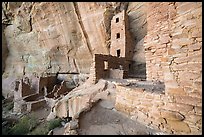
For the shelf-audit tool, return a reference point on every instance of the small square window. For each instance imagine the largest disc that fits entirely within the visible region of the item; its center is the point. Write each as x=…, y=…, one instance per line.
x=117, y=20
x=117, y=35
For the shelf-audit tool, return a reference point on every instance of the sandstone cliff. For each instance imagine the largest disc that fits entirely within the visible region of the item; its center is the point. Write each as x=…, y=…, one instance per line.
x=62, y=37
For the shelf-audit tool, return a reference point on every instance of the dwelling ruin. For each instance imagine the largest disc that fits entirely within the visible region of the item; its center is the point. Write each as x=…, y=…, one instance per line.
x=171, y=62
x=116, y=65
x=35, y=92
x=168, y=99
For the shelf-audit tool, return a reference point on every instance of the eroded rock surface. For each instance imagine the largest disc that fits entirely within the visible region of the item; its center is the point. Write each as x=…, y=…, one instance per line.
x=80, y=99
x=61, y=37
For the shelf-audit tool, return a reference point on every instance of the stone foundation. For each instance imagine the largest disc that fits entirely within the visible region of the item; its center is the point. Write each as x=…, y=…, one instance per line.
x=169, y=113
x=29, y=93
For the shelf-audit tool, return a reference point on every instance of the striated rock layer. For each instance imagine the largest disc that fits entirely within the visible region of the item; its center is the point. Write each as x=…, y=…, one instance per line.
x=62, y=37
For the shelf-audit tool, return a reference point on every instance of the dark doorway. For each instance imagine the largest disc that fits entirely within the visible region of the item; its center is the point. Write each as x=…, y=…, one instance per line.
x=118, y=53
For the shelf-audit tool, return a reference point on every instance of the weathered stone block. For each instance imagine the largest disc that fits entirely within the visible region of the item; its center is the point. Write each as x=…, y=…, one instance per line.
x=181, y=60
x=196, y=94
x=171, y=51
x=175, y=91
x=182, y=108
x=155, y=113
x=181, y=66
x=182, y=41
x=72, y=125
x=198, y=110
x=187, y=75
x=172, y=115
x=141, y=116
x=158, y=103
x=199, y=39
x=164, y=39
x=149, y=96
x=193, y=119
x=161, y=120
x=197, y=85
x=194, y=66
x=147, y=104
x=188, y=100
x=124, y=108
x=186, y=83
x=195, y=57
x=178, y=126
x=196, y=33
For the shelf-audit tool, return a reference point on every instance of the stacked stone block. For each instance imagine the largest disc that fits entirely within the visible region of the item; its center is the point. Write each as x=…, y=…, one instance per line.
x=114, y=63
x=167, y=113
x=120, y=26
x=173, y=55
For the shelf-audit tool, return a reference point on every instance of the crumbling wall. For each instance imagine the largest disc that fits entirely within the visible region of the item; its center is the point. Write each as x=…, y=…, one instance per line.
x=173, y=55
x=22, y=89
x=47, y=82
x=58, y=90
x=34, y=105
x=113, y=62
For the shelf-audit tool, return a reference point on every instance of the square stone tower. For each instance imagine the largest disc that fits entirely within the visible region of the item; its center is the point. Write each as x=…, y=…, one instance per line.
x=121, y=45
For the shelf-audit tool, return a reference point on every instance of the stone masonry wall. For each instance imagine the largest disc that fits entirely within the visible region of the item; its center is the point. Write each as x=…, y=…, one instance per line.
x=173, y=49
x=47, y=82
x=22, y=90
x=118, y=28
x=160, y=111
x=113, y=63
x=120, y=25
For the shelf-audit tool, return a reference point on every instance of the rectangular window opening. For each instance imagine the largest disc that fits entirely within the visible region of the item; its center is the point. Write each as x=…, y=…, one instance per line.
x=117, y=20
x=118, y=53
x=117, y=35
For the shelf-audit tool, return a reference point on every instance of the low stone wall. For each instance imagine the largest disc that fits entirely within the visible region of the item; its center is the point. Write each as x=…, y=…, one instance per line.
x=169, y=113
x=34, y=105
x=47, y=82
x=22, y=89
x=32, y=97
x=112, y=63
